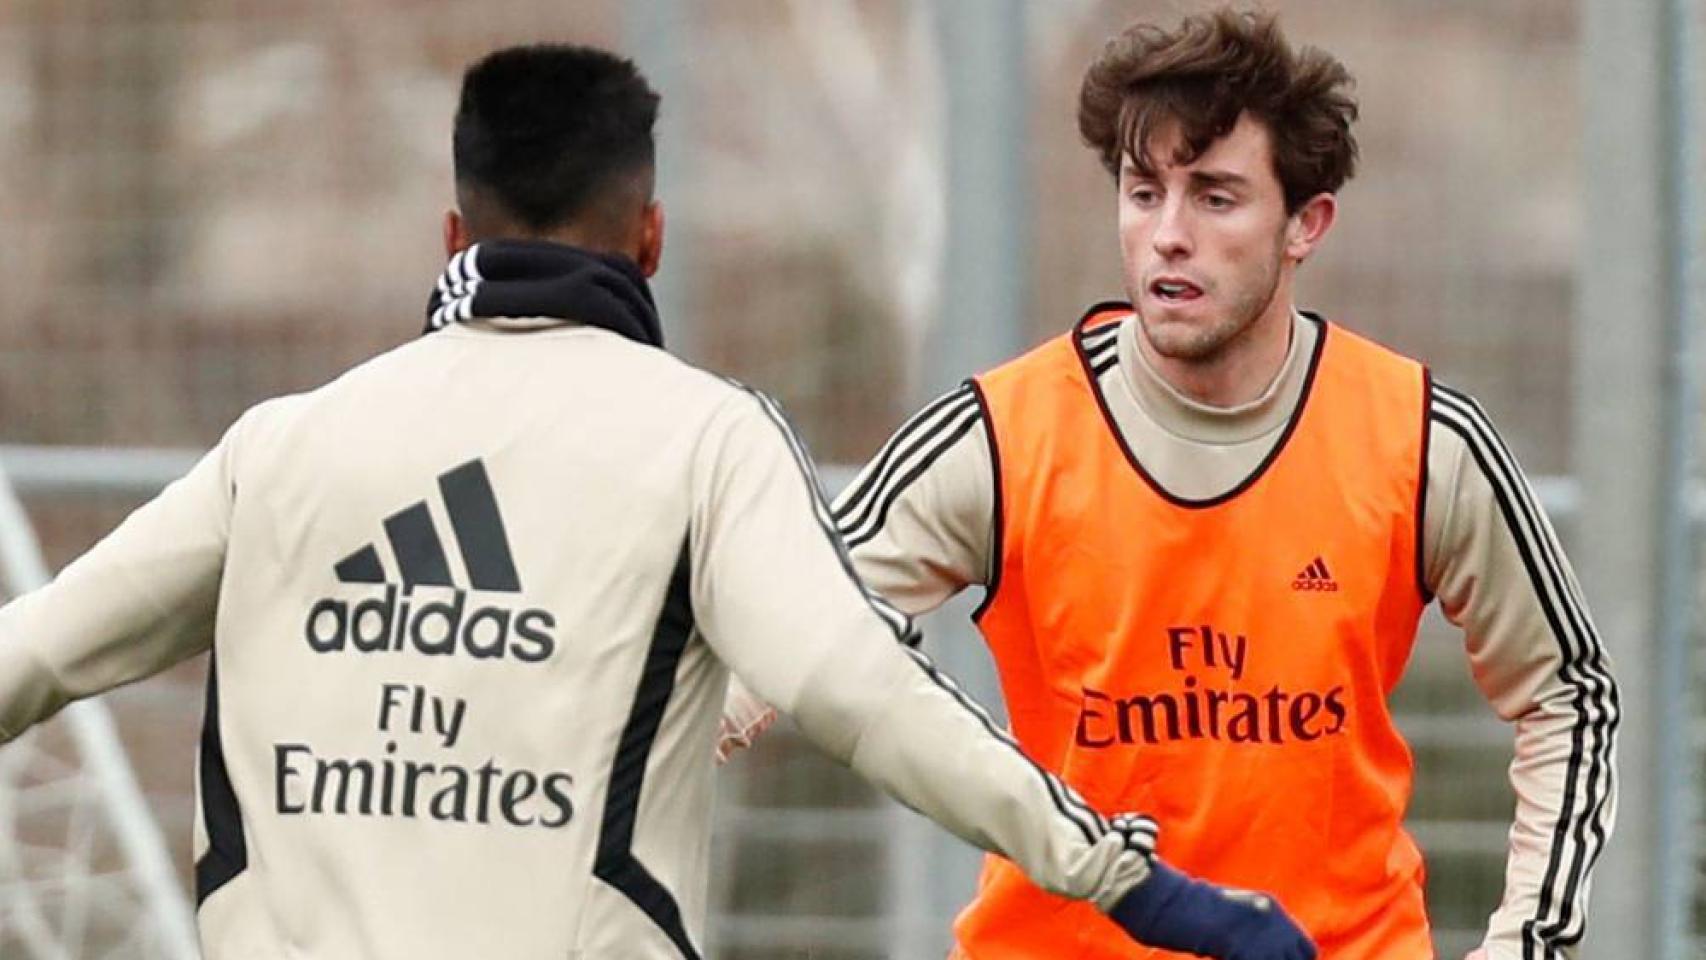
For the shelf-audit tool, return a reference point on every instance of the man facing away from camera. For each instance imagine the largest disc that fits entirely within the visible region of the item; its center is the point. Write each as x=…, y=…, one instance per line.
x=1208, y=523
x=472, y=606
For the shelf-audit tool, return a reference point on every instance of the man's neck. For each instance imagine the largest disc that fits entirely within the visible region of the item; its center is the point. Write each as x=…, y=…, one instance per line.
x=1239, y=373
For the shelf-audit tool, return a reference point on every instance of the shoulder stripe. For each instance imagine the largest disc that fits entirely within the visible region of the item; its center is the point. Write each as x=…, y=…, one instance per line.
x=1092, y=825
x=920, y=423
x=1579, y=835
x=901, y=462
x=899, y=623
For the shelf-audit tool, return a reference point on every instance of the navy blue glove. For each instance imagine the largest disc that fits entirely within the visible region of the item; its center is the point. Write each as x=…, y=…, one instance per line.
x=1174, y=912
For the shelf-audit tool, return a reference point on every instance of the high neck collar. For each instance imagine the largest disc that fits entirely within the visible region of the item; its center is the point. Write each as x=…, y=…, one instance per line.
x=534, y=279
x=1194, y=420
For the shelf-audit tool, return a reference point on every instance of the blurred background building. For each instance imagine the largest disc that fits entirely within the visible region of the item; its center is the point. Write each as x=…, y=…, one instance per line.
x=208, y=203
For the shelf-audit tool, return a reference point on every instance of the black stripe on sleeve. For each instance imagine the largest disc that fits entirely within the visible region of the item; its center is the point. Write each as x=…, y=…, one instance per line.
x=1090, y=824
x=1579, y=835
x=420, y=554
x=227, y=849
x=861, y=521
x=479, y=527
x=865, y=484
x=919, y=437
x=1582, y=666
x=899, y=623
x=615, y=862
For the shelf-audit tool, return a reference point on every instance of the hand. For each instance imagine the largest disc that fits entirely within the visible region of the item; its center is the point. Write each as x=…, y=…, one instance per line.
x=745, y=717
x=1174, y=912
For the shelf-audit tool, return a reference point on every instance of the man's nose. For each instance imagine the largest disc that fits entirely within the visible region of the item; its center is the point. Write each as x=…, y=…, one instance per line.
x=1172, y=238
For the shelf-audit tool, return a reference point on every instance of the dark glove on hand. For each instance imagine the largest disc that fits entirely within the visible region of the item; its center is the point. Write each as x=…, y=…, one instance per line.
x=1174, y=912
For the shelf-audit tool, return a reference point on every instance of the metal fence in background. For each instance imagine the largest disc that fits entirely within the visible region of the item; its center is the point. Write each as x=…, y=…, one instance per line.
x=209, y=203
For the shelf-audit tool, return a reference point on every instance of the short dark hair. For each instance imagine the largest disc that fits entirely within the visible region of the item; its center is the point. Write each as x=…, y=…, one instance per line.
x=1205, y=74
x=545, y=130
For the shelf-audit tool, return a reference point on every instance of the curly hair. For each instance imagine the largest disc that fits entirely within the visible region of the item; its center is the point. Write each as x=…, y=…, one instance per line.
x=1201, y=77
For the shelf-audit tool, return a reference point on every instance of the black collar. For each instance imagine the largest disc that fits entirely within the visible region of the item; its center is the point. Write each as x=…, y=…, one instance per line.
x=538, y=278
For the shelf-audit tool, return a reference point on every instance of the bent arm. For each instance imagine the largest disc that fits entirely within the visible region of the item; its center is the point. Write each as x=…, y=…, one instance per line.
x=1494, y=562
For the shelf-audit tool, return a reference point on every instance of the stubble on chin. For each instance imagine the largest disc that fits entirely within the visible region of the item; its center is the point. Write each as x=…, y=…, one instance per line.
x=1188, y=342
x=1205, y=339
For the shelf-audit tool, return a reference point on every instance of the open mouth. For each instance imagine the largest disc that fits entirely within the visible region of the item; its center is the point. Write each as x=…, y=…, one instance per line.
x=1175, y=291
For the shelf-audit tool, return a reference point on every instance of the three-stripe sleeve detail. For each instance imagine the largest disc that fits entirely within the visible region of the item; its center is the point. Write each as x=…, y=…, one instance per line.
x=919, y=443
x=901, y=624
x=1092, y=825
x=1579, y=834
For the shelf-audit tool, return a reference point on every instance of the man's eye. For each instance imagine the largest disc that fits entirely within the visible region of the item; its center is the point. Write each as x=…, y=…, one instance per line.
x=1218, y=201
x=1144, y=195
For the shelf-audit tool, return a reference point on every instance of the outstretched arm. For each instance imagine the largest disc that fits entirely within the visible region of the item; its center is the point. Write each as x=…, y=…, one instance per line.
x=138, y=602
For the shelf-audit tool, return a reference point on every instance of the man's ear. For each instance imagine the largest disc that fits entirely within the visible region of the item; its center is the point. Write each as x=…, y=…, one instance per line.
x=456, y=238
x=651, y=238
x=1307, y=227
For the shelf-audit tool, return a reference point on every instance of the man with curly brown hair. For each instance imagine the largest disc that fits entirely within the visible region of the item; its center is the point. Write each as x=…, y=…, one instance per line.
x=1208, y=523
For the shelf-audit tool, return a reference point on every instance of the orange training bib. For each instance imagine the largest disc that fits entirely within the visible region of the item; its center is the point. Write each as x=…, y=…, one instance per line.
x=1221, y=665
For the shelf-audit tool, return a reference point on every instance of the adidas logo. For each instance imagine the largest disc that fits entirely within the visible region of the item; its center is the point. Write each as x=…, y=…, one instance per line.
x=437, y=621
x=473, y=510
x=1316, y=577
